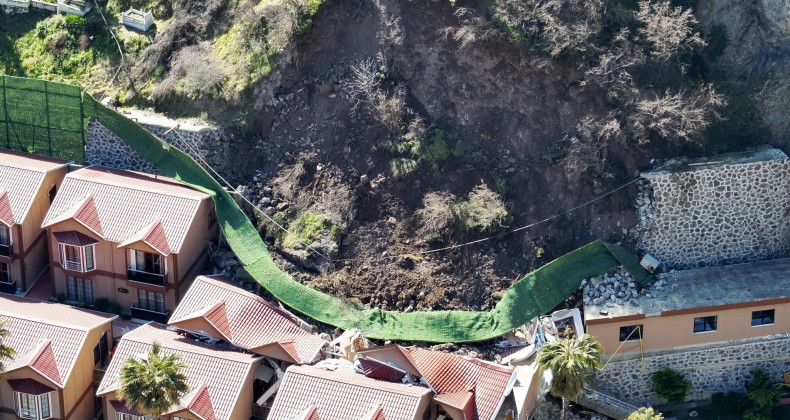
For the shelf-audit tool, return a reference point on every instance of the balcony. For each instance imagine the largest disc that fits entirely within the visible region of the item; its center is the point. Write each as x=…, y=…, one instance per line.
x=146, y=277
x=6, y=250
x=148, y=315
x=9, y=288
x=73, y=266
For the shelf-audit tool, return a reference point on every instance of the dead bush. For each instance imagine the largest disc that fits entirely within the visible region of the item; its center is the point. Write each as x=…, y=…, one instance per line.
x=669, y=30
x=437, y=213
x=386, y=105
x=483, y=211
x=588, y=148
x=614, y=67
x=676, y=116
x=472, y=29
x=194, y=73
x=559, y=26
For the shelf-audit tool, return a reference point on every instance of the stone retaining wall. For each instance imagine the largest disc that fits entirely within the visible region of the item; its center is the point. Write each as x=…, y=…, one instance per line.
x=720, y=369
x=730, y=212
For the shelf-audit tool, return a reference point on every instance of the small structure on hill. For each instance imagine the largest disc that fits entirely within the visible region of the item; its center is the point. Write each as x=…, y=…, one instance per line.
x=74, y=7
x=137, y=19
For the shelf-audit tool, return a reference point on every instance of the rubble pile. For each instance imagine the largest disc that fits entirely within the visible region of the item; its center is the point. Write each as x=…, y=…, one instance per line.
x=619, y=288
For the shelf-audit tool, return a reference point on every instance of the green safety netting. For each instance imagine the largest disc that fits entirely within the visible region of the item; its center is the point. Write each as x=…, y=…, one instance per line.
x=535, y=294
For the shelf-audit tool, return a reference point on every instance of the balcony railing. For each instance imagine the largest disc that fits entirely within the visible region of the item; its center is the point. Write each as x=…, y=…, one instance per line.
x=148, y=315
x=9, y=287
x=6, y=250
x=146, y=277
x=72, y=265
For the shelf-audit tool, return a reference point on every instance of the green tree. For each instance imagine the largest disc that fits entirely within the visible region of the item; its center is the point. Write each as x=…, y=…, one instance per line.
x=645, y=413
x=6, y=353
x=671, y=385
x=572, y=362
x=763, y=394
x=153, y=383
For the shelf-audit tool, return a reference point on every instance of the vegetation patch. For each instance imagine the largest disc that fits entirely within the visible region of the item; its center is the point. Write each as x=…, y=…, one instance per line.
x=309, y=228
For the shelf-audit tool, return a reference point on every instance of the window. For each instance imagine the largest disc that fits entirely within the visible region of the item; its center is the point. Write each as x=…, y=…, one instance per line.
x=152, y=301
x=77, y=258
x=705, y=324
x=33, y=406
x=632, y=333
x=79, y=290
x=146, y=261
x=765, y=317
x=5, y=236
x=52, y=192
x=5, y=273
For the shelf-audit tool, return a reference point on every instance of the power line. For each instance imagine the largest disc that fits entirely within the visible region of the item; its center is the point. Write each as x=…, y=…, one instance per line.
x=431, y=251
x=118, y=44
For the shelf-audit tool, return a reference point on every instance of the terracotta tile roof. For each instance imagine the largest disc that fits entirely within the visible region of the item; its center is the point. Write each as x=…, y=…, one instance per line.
x=461, y=400
x=452, y=376
x=29, y=386
x=153, y=235
x=252, y=322
x=343, y=393
x=200, y=404
x=221, y=369
x=128, y=202
x=47, y=337
x=376, y=414
x=74, y=238
x=21, y=175
x=379, y=370
x=310, y=413
x=6, y=214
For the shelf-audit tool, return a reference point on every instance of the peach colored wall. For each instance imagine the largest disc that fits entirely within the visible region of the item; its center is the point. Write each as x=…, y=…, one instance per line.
x=664, y=332
x=7, y=394
x=198, y=235
x=243, y=407
x=37, y=260
x=81, y=379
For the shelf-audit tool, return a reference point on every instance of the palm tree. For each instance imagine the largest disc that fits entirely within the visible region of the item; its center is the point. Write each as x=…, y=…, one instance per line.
x=6, y=353
x=571, y=362
x=153, y=383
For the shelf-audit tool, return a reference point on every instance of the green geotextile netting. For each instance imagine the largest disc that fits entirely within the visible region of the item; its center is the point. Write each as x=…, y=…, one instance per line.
x=534, y=295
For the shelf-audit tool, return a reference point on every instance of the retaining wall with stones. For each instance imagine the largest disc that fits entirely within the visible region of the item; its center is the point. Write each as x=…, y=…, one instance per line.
x=734, y=211
x=714, y=369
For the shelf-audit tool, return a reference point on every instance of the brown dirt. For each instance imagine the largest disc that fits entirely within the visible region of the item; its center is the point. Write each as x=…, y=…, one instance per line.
x=498, y=97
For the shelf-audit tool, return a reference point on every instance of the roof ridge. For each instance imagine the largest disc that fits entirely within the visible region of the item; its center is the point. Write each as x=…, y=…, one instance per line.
x=48, y=322
x=317, y=372
x=77, y=176
x=183, y=347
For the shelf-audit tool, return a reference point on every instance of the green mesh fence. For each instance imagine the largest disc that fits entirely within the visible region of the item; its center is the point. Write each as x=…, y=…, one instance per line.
x=42, y=117
x=535, y=294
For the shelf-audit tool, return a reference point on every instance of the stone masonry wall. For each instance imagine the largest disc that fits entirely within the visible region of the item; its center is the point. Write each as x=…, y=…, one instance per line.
x=724, y=214
x=711, y=370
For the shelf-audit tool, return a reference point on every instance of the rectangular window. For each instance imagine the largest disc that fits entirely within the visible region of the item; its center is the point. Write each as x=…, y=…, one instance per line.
x=77, y=258
x=146, y=262
x=765, y=317
x=632, y=333
x=5, y=236
x=79, y=290
x=89, y=258
x=33, y=406
x=152, y=301
x=5, y=273
x=705, y=324
x=121, y=416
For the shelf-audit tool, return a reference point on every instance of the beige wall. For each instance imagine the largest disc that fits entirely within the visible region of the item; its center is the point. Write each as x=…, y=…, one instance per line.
x=672, y=331
x=112, y=262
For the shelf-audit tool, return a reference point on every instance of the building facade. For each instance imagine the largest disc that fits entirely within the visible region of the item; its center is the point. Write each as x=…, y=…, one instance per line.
x=133, y=238
x=57, y=348
x=28, y=184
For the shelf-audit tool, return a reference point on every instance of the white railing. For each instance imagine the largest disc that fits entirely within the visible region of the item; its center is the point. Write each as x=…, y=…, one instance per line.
x=73, y=265
x=616, y=406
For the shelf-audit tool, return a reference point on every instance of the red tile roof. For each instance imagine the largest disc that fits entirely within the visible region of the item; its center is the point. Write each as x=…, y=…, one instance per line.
x=152, y=235
x=252, y=322
x=342, y=393
x=129, y=202
x=216, y=370
x=88, y=215
x=22, y=175
x=47, y=337
x=379, y=370
x=6, y=214
x=29, y=386
x=74, y=238
x=452, y=376
x=310, y=413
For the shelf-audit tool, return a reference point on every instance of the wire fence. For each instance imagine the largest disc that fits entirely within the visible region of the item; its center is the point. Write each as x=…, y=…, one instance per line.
x=42, y=117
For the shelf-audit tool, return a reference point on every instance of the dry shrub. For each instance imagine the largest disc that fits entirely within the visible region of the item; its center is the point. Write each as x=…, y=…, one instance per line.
x=473, y=28
x=194, y=73
x=560, y=26
x=669, y=30
x=588, y=149
x=437, y=213
x=613, y=69
x=483, y=211
x=676, y=117
x=387, y=106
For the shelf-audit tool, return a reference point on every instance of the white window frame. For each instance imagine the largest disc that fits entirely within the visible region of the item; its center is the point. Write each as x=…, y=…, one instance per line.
x=123, y=416
x=37, y=415
x=10, y=235
x=80, y=266
x=133, y=262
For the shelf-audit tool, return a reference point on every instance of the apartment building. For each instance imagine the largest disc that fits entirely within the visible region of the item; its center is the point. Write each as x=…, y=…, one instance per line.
x=131, y=237
x=28, y=184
